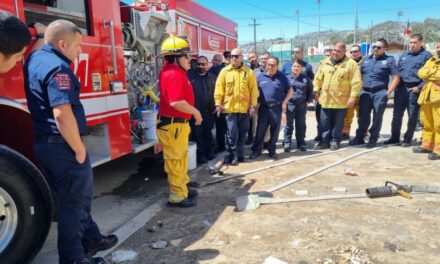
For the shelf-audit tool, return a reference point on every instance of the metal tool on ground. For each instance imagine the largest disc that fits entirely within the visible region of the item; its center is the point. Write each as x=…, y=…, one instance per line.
x=392, y=189
x=268, y=192
x=253, y=201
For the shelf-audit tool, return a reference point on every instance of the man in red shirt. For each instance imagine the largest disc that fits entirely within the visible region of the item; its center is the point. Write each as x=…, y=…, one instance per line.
x=175, y=109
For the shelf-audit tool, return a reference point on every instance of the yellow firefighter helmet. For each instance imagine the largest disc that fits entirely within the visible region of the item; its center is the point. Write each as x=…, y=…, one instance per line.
x=174, y=45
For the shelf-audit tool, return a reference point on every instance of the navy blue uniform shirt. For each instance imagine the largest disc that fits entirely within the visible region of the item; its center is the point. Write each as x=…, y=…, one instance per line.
x=376, y=72
x=409, y=65
x=49, y=82
x=307, y=69
x=273, y=89
x=216, y=69
x=259, y=70
x=302, y=86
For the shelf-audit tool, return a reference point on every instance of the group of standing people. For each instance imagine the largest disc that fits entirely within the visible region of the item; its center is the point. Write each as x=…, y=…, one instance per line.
x=252, y=98
x=238, y=96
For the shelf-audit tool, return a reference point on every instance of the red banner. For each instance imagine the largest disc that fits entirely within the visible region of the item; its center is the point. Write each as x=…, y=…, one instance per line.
x=212, y=41
x=232, y=44
x=190, y=31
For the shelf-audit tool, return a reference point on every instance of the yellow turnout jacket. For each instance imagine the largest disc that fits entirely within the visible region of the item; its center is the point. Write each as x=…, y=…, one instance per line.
x=236, y=90
x=337, y=83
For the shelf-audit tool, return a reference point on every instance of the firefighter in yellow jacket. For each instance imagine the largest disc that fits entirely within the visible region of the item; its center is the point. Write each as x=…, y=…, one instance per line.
x=356, y=55
x=336, y=85
x=175, y=109
x=429, y=101
x=236, y=94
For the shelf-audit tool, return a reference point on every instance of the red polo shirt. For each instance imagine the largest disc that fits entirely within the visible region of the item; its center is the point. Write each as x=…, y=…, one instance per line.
x=174, y=86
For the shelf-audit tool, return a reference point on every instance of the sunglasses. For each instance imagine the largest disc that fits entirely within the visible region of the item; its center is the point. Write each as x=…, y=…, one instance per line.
x=183, y=56
x=377, y=47
x=354, y=51
x=296, y=52
x=235, y=56
x=201, y=64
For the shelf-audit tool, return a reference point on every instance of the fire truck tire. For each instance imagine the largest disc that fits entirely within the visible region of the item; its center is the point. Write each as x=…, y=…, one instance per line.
x=25, y=208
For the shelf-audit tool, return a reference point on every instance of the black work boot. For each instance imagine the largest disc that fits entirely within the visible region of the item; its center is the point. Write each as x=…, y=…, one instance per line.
x=91, y=261
x=419, y=149
x=356, y=141
x=105, y=243
x=192, y=193
x=433, y=156
x=188, y=202
x=391, y=141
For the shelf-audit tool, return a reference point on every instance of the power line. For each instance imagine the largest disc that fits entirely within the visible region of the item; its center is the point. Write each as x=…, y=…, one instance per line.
x=279, y=14
x=327, y=14
x=254, y=24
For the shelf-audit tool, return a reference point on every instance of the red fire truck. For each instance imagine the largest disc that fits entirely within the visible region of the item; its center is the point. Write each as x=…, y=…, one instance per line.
x=117, y=70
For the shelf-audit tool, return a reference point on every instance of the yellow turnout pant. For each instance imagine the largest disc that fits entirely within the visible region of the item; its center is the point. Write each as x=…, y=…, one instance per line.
x=174, y=139
x=349, y=115
x=430, y=117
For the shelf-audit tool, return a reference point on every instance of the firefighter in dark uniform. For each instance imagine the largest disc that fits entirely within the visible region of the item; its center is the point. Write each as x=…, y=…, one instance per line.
x=297, y=107
x=203, y=83
x=220, y=120
x=407, y=93
x=275, y=92
x=376, y=70
x=52, y=92
x=175, y=109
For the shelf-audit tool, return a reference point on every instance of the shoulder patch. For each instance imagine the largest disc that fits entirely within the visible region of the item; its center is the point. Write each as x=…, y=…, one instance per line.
x=63, y=80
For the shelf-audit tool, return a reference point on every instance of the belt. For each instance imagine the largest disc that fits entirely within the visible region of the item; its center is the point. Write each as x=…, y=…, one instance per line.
x=54, y=139
x=165, y=120
x=373, y=90
x=410, y=84
x=272, y=104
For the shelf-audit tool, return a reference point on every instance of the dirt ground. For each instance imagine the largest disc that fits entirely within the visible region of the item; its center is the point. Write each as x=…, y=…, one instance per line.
x=362, y=230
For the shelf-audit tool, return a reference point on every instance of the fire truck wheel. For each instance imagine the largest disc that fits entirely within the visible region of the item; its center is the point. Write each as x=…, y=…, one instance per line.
x=25, y=208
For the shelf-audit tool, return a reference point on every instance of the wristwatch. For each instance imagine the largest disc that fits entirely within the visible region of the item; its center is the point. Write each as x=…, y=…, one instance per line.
x=40, y=35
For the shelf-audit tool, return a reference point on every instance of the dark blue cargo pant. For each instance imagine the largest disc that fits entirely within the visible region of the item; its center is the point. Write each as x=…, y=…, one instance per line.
x=295, y=115
x=404, y=100
x=238, y=126
x=267, y=116
x=332, y=122
x=73, y=185
x=376, y=101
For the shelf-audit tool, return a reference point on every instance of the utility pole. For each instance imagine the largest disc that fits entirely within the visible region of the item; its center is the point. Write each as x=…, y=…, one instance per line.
x=319, y=20
x=399, y=14
x=254, y=24
x=356, y=21
x=371, y=36
x=297, y=22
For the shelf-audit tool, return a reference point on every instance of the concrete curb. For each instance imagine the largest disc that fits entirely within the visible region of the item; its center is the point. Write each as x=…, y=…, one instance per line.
x=133, y=225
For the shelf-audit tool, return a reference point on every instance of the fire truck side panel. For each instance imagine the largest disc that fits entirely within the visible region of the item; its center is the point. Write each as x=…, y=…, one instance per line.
x=95, y=71
x=208, y=32
x=195, y=10
x=13, y=6
x=103, y=105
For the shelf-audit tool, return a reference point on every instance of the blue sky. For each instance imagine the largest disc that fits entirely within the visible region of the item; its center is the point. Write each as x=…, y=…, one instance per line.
x=277, y=17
